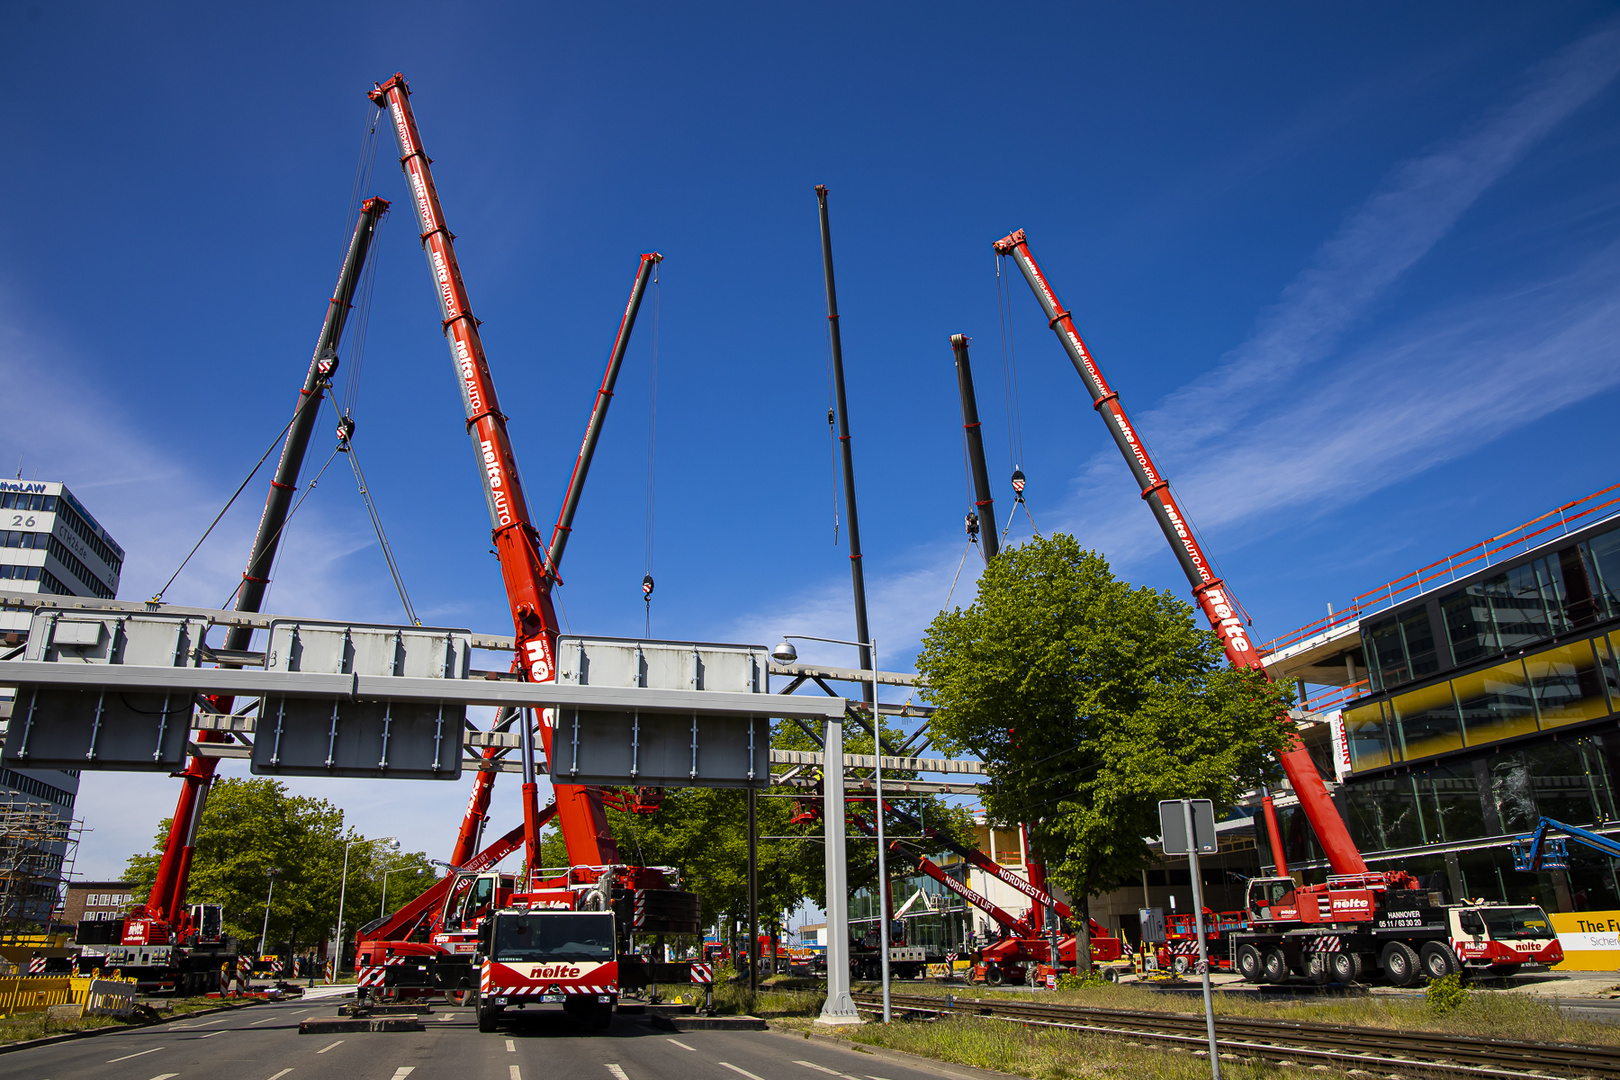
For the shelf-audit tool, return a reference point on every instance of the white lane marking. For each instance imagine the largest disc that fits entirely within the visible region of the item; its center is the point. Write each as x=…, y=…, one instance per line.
x=683, y=1046
x=444, y=1016
x=266, y=1020
x=615, y=1070
x=165, y=1076
x=280, y=1074
x=403, y=1071
x=210, y=1035
x=733, y=1068
x=515, y=1074
x=824, y=1069
x=205, y=1023
x=511, y=1047
x=141, y=1053
x=869, y=1076
x=324, y=1049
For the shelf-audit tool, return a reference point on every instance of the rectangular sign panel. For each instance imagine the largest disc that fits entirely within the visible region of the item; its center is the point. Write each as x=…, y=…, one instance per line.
x=661, y=749
x=1173, y=826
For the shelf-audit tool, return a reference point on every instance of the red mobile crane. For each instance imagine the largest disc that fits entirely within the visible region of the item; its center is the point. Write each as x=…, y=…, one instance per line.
x=529, y=575
x=166, y=943
x=1358, y=918
x=1022, y=942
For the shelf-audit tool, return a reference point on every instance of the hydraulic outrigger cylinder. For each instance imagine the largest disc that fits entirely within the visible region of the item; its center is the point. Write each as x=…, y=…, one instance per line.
x=984, y=504
x=517, y=545
x=1210, y=592
x=168, y=896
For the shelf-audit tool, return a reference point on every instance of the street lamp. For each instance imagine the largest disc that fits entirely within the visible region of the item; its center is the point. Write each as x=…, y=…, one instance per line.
x=382, y=905
x=785, y=653
x=343, y=893
x=265, y=931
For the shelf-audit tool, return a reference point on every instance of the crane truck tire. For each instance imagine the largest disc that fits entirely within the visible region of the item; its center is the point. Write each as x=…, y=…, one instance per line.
x=1438, y=960
x=1248, y=963
x=1346, y=967
x=1400, y=964
x=1317, y=969
x=1274, y=966
x=993, y=975
x=488, y=1016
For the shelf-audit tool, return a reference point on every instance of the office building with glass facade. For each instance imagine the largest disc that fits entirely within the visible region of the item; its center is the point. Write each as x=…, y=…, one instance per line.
x=1487, y=701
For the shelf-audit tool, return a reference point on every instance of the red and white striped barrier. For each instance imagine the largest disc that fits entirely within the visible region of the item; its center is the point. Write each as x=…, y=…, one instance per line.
x=703, y=973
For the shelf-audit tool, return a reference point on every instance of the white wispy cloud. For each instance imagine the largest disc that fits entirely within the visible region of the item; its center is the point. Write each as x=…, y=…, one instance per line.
x=1289, y=419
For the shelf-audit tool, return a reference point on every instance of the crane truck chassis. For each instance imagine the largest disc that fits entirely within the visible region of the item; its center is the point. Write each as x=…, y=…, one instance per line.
x=1354, y=926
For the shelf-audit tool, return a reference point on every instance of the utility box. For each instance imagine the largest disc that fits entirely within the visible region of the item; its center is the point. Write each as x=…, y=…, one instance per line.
x=104, y=727
x=362, y=737
x=655, y=746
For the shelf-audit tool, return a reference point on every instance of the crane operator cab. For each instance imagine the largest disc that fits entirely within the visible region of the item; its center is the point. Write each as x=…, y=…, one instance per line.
x=1272, y=900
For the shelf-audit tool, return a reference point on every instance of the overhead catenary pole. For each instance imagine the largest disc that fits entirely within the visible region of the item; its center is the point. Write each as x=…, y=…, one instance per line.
x=753, y=890
x=168, y=896
x=517, y=545
x=984, y=503
x=846, y=455
x=1209, y=590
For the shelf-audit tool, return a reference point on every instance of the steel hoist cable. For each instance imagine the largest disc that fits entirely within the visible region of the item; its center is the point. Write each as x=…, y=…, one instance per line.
x=157, y=598
x=382, y=539
x=652, y=455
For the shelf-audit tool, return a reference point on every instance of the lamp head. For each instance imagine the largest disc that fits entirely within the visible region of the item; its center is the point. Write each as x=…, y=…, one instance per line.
x=785, y=653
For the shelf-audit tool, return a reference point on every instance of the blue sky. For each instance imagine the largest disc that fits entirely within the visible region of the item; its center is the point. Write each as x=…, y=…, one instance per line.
x=1353, y=269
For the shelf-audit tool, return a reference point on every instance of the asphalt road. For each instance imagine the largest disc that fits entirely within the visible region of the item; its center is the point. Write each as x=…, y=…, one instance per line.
x=262, y=1043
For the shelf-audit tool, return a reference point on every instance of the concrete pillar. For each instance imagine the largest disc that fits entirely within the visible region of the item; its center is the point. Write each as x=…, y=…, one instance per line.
x=839, y=1007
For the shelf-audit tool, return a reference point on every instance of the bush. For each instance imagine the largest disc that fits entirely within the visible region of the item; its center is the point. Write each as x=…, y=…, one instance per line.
x=1447, y=994
x=1069, y=981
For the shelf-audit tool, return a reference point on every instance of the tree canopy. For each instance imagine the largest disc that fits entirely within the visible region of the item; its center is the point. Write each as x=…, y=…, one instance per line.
x=1090, y=701
x=251, y=826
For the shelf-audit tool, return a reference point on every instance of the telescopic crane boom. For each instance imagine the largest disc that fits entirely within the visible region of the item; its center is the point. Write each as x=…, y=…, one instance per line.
x=478, y=804
x=984, y=503
x=1209, y=590
x=167, y=899
x=524, y=563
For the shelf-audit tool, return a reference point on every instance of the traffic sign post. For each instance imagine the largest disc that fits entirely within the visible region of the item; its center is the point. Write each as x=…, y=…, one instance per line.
x=1186, y=827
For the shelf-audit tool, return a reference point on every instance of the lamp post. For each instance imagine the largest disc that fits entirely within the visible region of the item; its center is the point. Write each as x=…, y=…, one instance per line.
x=343, y=893
x=264, y=932
x=833, y=773
x=382, y=905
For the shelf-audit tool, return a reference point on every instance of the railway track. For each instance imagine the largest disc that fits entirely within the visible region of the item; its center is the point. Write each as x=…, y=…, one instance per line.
x=1376, y=1050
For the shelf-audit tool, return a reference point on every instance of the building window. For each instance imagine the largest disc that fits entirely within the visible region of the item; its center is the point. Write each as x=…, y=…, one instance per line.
x=1368, y=737
x=1469, y=628
x=1495, y=703
x=17, y=500
x=1568, y=686
x=1429, y=721
x=19, y=573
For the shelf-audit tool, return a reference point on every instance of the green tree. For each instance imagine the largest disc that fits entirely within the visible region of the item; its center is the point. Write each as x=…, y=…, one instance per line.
x=251, y=826
x=1090, y=701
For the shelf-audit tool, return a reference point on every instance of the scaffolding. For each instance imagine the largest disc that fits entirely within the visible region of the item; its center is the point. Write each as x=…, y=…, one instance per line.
x=38, y=842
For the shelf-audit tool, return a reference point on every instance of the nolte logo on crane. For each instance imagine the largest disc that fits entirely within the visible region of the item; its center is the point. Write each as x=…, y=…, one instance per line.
x=1230, y=626
x=556, y=971
x=492, y=469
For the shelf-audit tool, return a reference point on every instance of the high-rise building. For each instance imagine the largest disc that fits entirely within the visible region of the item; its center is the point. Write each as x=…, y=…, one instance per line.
x=49, y=543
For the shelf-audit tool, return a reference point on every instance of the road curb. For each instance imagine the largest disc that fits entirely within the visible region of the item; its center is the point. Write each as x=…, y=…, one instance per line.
x=68, y=1036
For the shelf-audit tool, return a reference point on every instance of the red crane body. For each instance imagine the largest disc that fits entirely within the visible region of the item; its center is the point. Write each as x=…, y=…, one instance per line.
x=517, y=545
x=1209, y=590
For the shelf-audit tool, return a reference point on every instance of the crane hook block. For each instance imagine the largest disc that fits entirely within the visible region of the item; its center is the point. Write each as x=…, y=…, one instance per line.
x=345, y=429
x=647, y=587
x=1018, y=484
x=327, y=364
x=972, y=525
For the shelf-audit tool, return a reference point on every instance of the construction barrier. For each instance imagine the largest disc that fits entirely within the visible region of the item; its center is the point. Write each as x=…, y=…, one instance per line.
x=34, y=993
x=104, y=997
x=1591, y=940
